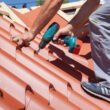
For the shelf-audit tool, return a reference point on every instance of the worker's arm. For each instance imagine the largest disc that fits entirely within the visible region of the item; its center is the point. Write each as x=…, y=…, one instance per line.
x=48, y=10
x=79, y=20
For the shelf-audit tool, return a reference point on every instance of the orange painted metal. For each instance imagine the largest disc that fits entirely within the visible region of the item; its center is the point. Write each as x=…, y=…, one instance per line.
x=59, y=81
x=11, y=102
x=4, y=23
x=10, y=26
x=38, y=84
x=30, y=80
x=10, y=48
x=11, y=85
x=20, y=27
x=19, y=55
x=73, y=96
x=52, y=77
x=21, y=16
x=34, y=102
x=56, y=102
x=6, y=106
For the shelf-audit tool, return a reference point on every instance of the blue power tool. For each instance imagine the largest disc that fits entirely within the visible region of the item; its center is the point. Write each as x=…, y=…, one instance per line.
x=70, y=41
x=48, y=35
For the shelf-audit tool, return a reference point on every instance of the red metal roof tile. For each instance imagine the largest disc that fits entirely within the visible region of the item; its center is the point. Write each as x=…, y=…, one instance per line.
x=9, y=26
x=5, y=106
x=57, y=82
x=21, y=16
x=11, y=102
x=20, y=27
x=38, y=84
x=11, y=85
x=34, y=102
x=54, y=77
x=60, y=102
x=4, y=24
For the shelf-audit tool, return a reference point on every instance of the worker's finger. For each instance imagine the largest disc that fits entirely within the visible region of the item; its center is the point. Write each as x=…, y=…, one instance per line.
x=62, y=33
x=57, y=35
x=60, y=41
x=70, y=33
x=15, y=39
x=20, y=42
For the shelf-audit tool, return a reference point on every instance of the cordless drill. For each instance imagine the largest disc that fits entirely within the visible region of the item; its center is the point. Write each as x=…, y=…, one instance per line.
x=70, y=41
x=48, y=35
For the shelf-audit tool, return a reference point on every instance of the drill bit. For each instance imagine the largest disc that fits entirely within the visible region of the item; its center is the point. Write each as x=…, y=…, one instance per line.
x=37, y=51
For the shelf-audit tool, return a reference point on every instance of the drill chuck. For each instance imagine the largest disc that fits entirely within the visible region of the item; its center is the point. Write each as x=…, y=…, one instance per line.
x=42, y=44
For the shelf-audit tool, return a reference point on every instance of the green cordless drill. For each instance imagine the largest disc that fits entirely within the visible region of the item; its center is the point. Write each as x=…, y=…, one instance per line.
x=70, y=41
x=48, y=35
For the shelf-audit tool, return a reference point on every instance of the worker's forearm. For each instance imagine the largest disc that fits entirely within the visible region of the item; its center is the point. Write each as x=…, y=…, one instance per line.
x=79, y=20
x=48, y=10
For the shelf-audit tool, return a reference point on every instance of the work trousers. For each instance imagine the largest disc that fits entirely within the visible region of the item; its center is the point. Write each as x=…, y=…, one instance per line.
x=99, y=25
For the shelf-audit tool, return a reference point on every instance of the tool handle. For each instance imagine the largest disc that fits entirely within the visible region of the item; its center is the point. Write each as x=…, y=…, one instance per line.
x=50, y=32
x=70, y=41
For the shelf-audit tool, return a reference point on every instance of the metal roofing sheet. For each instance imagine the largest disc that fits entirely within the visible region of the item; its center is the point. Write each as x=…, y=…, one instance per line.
x=53, y=79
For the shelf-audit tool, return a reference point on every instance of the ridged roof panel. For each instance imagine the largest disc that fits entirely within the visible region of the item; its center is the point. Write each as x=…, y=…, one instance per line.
x=47, y=81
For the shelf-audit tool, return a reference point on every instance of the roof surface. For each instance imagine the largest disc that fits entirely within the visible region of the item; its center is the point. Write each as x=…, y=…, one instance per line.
x=47, y=81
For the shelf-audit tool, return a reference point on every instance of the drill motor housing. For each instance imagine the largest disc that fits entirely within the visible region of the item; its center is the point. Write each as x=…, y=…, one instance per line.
x=49, y=34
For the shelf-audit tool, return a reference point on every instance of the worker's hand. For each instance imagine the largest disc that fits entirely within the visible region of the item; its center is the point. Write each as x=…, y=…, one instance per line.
x=66, y=31
x=23, y=39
